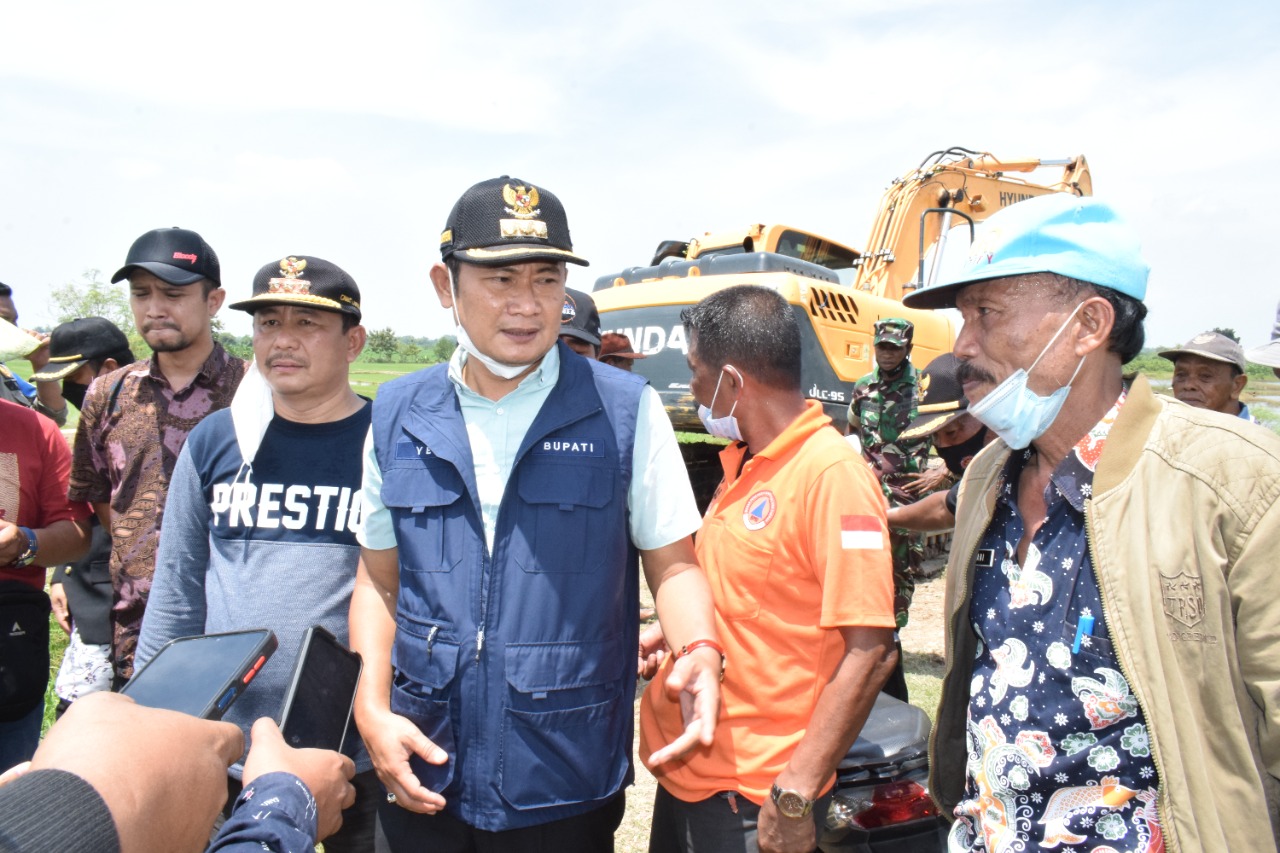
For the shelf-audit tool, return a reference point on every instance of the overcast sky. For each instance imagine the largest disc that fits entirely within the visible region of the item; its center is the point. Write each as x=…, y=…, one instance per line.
x=347, y=130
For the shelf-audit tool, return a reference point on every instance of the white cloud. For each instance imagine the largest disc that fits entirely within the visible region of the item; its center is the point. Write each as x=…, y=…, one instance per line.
x=399, y=59
x=349, y=130
x=285, y=182
x=137, y=168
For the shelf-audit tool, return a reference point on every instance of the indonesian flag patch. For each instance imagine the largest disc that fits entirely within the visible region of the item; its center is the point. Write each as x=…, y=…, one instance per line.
x=861, y=533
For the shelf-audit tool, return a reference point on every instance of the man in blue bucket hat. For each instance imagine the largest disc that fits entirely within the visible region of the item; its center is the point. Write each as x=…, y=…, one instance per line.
x=1113, y=676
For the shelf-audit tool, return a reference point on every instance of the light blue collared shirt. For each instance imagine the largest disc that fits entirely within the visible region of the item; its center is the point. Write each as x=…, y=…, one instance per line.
x=660, y=498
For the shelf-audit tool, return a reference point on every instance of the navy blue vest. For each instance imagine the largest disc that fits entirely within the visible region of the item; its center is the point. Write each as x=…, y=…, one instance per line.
x=521, y=663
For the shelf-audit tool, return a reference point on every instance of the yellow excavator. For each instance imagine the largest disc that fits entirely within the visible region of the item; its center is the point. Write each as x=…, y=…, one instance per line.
x=838, y=292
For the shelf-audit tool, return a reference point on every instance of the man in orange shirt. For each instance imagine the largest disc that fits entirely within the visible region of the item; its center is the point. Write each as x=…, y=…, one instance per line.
x=795, y=546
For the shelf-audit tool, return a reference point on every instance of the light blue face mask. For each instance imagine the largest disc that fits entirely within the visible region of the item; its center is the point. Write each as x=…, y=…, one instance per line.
x=497, y=368
x=726, y=427
x=1016, y=413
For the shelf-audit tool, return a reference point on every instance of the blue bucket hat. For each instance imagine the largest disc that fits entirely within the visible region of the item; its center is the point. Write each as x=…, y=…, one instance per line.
x=1081, y=238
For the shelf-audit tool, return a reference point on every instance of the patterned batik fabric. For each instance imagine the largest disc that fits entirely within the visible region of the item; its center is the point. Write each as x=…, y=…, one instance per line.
x=132, y=429
x=1059, y=756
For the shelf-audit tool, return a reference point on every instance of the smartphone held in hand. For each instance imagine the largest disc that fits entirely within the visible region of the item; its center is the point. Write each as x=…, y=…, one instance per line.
x=203, y=675
x=317, y=708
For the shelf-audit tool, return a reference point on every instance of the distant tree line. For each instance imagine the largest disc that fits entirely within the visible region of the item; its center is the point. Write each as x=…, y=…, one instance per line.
x=385, y=347
x=93, y=297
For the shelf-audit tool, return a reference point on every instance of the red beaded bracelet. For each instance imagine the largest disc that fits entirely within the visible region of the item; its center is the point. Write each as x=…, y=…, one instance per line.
x=704, y=644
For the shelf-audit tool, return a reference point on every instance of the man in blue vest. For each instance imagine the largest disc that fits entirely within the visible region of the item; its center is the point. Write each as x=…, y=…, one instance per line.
x=509, y=498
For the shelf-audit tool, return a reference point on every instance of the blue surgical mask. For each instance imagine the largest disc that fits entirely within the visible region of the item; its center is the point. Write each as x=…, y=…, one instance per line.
x=726, y=427
x=1016, y=413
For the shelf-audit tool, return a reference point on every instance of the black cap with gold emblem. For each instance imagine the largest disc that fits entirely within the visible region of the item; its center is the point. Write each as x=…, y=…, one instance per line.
x=303, y=280
x=504, y=221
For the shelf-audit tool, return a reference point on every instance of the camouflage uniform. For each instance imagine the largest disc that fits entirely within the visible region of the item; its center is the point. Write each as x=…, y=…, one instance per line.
x=881, y=409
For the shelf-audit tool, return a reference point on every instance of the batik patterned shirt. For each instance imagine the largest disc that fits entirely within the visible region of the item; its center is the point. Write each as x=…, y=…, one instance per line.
x=1059, y=756
x=132, y=429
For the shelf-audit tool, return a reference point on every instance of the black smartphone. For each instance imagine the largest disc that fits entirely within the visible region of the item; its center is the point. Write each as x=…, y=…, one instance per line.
x=202, y=676
x=317, y=708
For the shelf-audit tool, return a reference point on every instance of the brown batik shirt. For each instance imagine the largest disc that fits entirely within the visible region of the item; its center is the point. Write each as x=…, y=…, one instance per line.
x=132, y=428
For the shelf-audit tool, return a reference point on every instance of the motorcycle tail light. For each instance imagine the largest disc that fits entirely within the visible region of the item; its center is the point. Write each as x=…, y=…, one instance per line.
x=894, y=803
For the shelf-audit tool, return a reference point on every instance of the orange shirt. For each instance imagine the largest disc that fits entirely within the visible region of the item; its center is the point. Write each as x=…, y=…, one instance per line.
x=795, y=547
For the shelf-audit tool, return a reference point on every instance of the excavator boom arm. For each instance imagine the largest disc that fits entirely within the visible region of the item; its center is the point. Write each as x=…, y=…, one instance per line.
x=972, y=183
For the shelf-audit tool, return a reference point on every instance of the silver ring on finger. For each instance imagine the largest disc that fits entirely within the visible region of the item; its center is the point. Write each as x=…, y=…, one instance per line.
x=391, y=797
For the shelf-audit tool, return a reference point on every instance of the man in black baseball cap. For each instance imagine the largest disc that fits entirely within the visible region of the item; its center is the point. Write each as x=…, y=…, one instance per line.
x=136, y=419
x=305, y=281
x=506, y=220
x=174, y=321
x=304, y=441
x=517, y=620
x=580, y=323
x=306, y=333
x=80, y=350
x=174, y=255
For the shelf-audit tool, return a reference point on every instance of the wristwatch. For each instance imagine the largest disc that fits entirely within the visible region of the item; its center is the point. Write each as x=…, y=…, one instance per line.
x=28, y=556
x=791, y=804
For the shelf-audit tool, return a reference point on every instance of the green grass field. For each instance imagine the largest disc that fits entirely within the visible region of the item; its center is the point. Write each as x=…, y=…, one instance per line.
x=366, y=376
x=57, y=645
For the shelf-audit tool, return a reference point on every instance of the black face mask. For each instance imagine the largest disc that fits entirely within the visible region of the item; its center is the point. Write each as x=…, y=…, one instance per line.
x=958, y=456
x=73, y=392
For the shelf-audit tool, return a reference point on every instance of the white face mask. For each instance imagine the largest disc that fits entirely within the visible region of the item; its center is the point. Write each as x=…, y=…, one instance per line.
x=1016, y=413
x=726, y=427
x=497, y=368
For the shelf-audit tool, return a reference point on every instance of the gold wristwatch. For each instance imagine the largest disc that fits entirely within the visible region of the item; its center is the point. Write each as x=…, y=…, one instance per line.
x=791, y=804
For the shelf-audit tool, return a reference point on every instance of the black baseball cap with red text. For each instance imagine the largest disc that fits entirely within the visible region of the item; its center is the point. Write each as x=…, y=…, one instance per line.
x=173, y=255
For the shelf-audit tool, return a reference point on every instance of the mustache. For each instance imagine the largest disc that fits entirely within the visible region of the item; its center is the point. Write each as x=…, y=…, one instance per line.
x=273, y=360
x=151, y=327
x=968, y=372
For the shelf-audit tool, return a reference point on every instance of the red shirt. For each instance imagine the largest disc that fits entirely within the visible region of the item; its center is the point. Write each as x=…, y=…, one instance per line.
x=35, y=464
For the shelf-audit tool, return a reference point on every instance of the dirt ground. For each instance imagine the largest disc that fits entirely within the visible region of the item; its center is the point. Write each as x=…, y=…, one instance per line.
x=924, y=632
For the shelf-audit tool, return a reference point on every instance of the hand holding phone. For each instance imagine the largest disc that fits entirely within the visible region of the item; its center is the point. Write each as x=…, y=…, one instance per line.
x=163, y=776
x=327, y=774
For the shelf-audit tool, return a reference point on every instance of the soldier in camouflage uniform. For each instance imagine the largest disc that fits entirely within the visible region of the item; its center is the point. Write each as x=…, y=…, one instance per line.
x=884, y=403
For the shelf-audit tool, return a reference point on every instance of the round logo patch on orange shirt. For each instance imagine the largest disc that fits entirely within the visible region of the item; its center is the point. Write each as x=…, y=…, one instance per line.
x=759, y=510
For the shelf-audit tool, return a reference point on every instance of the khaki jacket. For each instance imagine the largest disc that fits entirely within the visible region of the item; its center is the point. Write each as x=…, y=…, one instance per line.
x=1184, y=532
